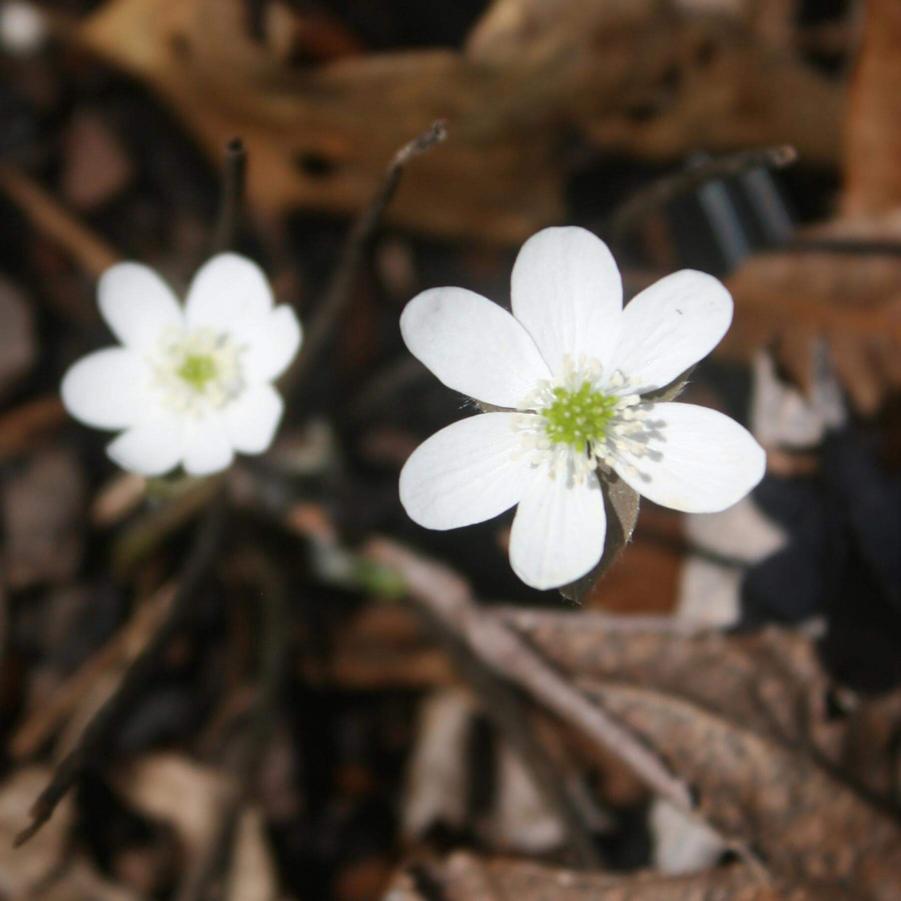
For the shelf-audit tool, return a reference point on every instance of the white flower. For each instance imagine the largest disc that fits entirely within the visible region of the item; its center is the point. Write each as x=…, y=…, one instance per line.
x=571, y=366
x=190, y=385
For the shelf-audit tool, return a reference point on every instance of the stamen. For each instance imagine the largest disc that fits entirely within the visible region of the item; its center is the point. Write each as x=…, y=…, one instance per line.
x=582, y=421
x=197, y=371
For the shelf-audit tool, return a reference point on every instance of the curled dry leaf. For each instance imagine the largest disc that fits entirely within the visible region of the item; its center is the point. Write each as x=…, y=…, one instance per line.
x=849, y=299
x=526, y=66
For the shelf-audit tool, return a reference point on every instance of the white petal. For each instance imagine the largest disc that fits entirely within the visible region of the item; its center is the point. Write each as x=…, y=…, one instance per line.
x=228, y=292
x=558, y=531
x=137, y=305
x=251, y=421
x=464, y=474
x=697, y=460
x=472, y=345
x=567, y=292
x=271, y=341
x=207, y=447
x=106, y=389
x=151, y=447
x=671, y=325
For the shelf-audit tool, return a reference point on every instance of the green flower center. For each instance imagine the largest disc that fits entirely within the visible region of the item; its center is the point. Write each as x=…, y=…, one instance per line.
x=198, y=370
x=579, y=417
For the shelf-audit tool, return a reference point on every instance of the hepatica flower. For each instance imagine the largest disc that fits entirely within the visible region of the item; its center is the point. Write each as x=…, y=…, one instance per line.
x=572, y=370
x=190, y=385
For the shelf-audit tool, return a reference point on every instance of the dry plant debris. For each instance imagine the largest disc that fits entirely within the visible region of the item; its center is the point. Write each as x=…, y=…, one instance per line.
x=306, y=708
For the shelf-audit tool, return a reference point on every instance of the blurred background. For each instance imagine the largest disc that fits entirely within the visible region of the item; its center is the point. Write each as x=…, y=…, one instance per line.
x=298, y=732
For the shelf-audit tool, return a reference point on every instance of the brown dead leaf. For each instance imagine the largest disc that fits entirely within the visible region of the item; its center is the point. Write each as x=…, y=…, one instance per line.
x=96, y=166
x=809, y=827
x=320, y=137
x=22, y=870
x=771, y=681
x=24, y=426
x=17, y=339
x=852, y=301
x=252, y=875
x=873, y=125
x=80, y=880
x=42, y=511
x=465, y=877
x=175, y=789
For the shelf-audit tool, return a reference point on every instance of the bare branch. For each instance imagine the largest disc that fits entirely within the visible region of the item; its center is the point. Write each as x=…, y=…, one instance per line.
x=96, y=736
x=448, y=597
x=668, y=188
x=231, y=198
x=48, y=216
x=340, y=290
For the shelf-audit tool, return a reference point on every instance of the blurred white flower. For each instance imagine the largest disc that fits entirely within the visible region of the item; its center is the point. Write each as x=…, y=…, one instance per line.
x=571, y=367
x=23, y=29
x=189, y=385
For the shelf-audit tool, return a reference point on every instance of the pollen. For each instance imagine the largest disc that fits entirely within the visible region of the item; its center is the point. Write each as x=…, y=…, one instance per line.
x=198, y=370
x=580, y=417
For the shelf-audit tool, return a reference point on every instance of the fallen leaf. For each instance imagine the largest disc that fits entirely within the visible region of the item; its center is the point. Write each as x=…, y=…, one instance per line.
x=23, y=870
x=17, y=339
x=466, y=877
x=42, y=508
x=808, y=826
x=873, y=124
x=527, y=73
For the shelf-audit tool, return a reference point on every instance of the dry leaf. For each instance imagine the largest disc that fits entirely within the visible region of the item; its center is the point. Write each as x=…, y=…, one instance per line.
x=320, y=137
x=808, y=826
x=17, y=339
x=22, y=870
x=873, y=126
x=172, y=788
x=465, y=877
x=769, y=681
x=852, y=301
x=42, y=510
x=252, y=875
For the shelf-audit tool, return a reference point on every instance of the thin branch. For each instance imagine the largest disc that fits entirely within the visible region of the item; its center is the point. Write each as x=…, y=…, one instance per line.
x=504, y=706
x=340, y=289
x=95, y=738
x=49, y=217
x=275, y=633
x=231, y=197
x=841, y=246
x=447, y=596
x=531, y=620
x=663, y=190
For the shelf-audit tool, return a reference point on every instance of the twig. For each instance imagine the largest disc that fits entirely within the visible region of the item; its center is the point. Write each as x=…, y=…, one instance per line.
x=274, y=637
x=526, y=620
x=842, y=246
x=504, y=706
x=447, y=596
x=663, y=190
x=115, y=654
x=97, y=734
x=231, y=197
x=46, y=214
x=340, y=289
